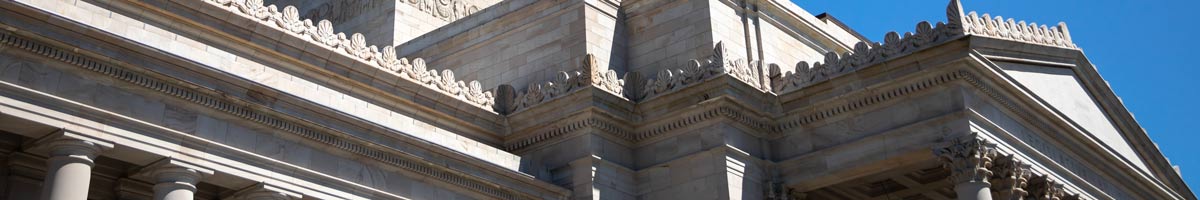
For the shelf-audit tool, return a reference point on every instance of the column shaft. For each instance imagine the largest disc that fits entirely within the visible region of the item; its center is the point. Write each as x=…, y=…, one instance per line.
x=973, y=191
x=174, y=191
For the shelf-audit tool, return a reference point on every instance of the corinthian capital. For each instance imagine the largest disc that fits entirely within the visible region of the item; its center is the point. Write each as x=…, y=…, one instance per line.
x=1011, y=177
x=1044, y=188
x=968, y=159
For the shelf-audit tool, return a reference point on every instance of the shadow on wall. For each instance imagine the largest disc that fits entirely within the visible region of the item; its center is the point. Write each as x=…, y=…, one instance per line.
x=375, y=19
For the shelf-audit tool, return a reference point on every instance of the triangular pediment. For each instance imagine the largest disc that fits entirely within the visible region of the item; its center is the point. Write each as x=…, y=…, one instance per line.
x=1063, y=89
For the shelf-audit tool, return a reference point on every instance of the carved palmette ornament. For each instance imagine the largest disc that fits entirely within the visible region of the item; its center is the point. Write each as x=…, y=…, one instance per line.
x=356, y=46
x=968, y=159
x=387, y=59
x=289, y=20
x=589, y=74
x=862, y=55
x=1011, y=29
x=606, y=80
x=323, y=33
x=926, y=35
x=253, y=8
x=695, y=71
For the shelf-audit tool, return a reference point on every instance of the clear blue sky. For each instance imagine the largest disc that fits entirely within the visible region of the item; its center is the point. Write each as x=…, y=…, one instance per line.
x=1145, y=49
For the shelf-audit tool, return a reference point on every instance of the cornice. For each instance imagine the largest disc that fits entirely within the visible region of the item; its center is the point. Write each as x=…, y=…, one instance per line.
x=872, y=99
x=241, y=109
x=303, y=57
x=723, y=108
x=604, y=125
x=355, y=47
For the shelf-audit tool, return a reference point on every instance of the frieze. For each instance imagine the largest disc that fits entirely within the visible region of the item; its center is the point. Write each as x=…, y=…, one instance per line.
x=356, y=47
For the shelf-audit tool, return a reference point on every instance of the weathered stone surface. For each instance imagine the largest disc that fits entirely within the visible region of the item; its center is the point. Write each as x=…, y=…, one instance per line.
x=529, y=99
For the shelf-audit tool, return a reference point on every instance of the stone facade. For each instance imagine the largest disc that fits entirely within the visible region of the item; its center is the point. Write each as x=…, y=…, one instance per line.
x=568, y=99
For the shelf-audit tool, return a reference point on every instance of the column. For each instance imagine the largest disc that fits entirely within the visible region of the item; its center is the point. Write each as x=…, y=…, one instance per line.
x=71, y=157
x=968, y=159
x=1011, y=177
x=263, y=191
x=174, y=179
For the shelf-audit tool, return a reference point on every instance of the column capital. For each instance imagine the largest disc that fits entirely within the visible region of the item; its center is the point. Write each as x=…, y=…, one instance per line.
x=173, y=173
x=264, y=191
x=968, y=159
x=66, y=143
x=1043, y=187
x=1012, y=176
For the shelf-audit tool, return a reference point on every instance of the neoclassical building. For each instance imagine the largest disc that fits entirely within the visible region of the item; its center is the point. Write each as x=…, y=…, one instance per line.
x=551, y=99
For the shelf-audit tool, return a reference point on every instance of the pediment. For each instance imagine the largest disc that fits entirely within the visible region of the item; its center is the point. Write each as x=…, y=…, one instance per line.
x=1063, y=89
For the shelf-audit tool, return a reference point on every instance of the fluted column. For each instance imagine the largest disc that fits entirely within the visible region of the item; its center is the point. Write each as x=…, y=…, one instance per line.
x=69, y=165
x=1012, y=176
x=968, y=159
x=263, y=191
x=174, y=179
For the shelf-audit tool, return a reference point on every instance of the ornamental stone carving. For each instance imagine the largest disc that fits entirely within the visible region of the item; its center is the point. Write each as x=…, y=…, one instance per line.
x=927, y=35
x=759, y=75
x=968, y=159
x=1043, y=187
x=864, y=54
x=1011, y=177
x=1010, y=29
x=695, y=71
x=289, y=20
x=449, y=10
x=323, y=34
x=356, y=47
x=589, y=74
x=343, y=10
